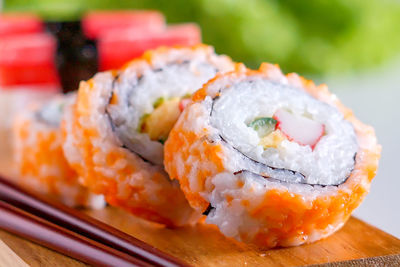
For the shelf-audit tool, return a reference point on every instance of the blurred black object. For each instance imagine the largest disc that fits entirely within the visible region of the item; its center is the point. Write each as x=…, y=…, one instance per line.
x=76, y=55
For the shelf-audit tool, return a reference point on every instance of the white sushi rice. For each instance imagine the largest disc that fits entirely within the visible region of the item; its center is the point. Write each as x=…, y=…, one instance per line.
x=232, y=218
x=176, y=74
x=329, y=163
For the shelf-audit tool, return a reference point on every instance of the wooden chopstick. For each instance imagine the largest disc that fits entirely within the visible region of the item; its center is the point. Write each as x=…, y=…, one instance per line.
x=87, y=226
x=59, y=239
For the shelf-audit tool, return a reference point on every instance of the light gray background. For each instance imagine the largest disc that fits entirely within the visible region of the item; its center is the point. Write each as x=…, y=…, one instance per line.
x=374, y=96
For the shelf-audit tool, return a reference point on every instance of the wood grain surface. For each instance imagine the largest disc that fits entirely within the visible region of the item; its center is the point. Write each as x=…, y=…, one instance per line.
x=9, y=258
x=35, y=255
x=356, y=244
x=203, y=245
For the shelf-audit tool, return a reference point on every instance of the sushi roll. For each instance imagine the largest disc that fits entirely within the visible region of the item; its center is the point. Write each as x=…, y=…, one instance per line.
x=116, y=130
x=39, y=159
x=272, y=160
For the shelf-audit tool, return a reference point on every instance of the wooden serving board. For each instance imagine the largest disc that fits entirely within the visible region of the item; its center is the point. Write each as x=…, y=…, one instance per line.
x=357, y=243
x=203, y=245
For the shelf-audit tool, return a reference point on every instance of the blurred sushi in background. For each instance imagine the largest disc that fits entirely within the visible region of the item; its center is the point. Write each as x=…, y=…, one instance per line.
x=96, y=23
x=38, y=58
x=28, y=59
x=27, y=53
x=14, y=23
x=102, y=40
x=116, y=47
x=39, y=158
x=27, y=66
x=311, y=37
x=124, y=35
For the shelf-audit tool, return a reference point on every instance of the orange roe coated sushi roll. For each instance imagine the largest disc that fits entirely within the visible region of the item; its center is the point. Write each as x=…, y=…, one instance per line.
x=114, y=133
x=40, y=160
x=263, y=199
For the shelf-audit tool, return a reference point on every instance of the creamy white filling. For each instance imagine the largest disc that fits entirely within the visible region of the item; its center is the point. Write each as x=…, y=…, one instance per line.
x=330, y=162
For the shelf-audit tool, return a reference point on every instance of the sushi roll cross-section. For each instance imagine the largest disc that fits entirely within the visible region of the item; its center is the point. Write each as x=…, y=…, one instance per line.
x=116, y=130
x=271, y=159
